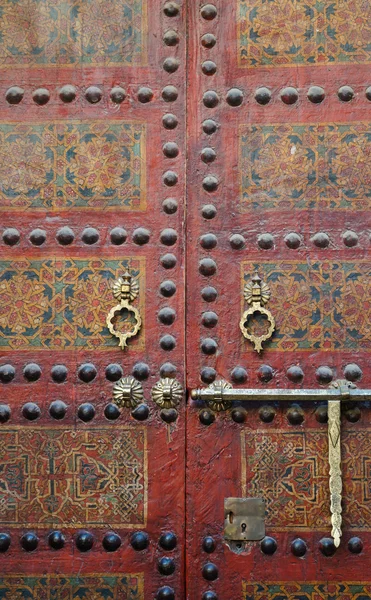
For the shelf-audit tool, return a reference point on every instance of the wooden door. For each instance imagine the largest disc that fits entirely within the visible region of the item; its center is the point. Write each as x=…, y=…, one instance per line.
x=278, y=184
x=92, y=123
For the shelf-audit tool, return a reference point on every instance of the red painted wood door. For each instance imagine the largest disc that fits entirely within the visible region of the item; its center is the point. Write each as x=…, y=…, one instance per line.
x=278, y=183
x=92, y=126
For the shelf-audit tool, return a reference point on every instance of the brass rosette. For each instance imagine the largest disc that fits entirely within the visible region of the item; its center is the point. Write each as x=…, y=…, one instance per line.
x=125, y=289
x=217, y=403
x=167, y=393
x=127, y=392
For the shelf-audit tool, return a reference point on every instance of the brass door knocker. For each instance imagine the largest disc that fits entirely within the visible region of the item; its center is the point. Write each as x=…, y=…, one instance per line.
x=125, y=289
x=257, y=294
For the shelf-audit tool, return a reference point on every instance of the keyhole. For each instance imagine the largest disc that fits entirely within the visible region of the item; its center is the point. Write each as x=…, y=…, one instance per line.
x=243, y=527
x=230, y=517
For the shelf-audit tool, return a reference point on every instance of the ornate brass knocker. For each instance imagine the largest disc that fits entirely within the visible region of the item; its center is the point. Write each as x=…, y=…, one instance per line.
x=257, y=293
x=125, y=289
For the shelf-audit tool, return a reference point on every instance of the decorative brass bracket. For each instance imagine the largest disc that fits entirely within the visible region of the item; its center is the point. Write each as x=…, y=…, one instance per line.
x=257, y=294
x=125, y=289
x=220, y=395
x=167, y=393
x=127, y=392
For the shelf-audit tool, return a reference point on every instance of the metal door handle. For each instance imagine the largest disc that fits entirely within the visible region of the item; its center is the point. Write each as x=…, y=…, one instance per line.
x=220, y=395
x=125, y=289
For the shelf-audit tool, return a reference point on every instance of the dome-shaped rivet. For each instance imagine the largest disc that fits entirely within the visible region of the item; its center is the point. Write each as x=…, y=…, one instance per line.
x=86, y=412
x=67, y=93
x=140, y=371
x=65, y=236
x=31, y=411
x=140, y=412
x=210, y=183
x=345, y=93
x=289, y=95
x=267, y=413
x=210, y=99
x=166, y=315
x=167, y=343
x=208, y=544
x=59, y=373
x=4, y=542
x=87, y=372
x=268, y=545
x=111, y=542
x=207, y=267
x=208, y=211
x=265, y=373
x=266, y=241
x=352, y=372
x=5, y=413
x=321, y=240
x=118, y=95
x=210, y=572
x=298, y=547
x=208, y=375
x=170, y=149
x=209, y=319
x=168, y=370
x=114, y=372
x=353, y=414
x=166, y=565
x=295, y=415
x=209, y=293
x=170, y=206
x=170, y=178
x=324, y=375
x=14, y=95
x=239, y=414
x=321, y=414
x=11, y=236
x=350, y=239
x=169, y=121
x=237, y=241
x=355, y=545
x=207, y=417
x=239, y=375
x=167, y=288
x=171, y=38
x=90, y=236
x=209, y=595
x=209, y=346
x=111, y=411
x=38, y=237
x=41, y=96
x=171, y=65
x=171, y=9
x=32, y=372
x=141, y=236
x=93, y=94
x=145, y=95
x=208, y=12
x=295, y=374
x=208, y=67
x=263, y=96
x=165, y=593
x=7, y=373
x=56, y=540
x=118, y=236
x=316, y=94
x=29, y=541
x=168, y=237
x=292, y=241
x=209, y=126
x=84, y=541
x=208, y=241
x=234, y=97
x=208, y=40
x=208, y=155
x=139, y=540
x=170, y=93
x=168, y=261
x=368, y=93
x=58, y=409
x=327, y=546
x=168, y=540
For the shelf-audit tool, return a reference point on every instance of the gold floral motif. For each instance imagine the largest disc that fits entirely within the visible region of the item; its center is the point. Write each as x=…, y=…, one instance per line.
x=167, y=393
x=127, y=392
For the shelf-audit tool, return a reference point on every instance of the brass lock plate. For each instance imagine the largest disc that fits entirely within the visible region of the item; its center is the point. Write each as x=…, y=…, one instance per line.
x=244, y=519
